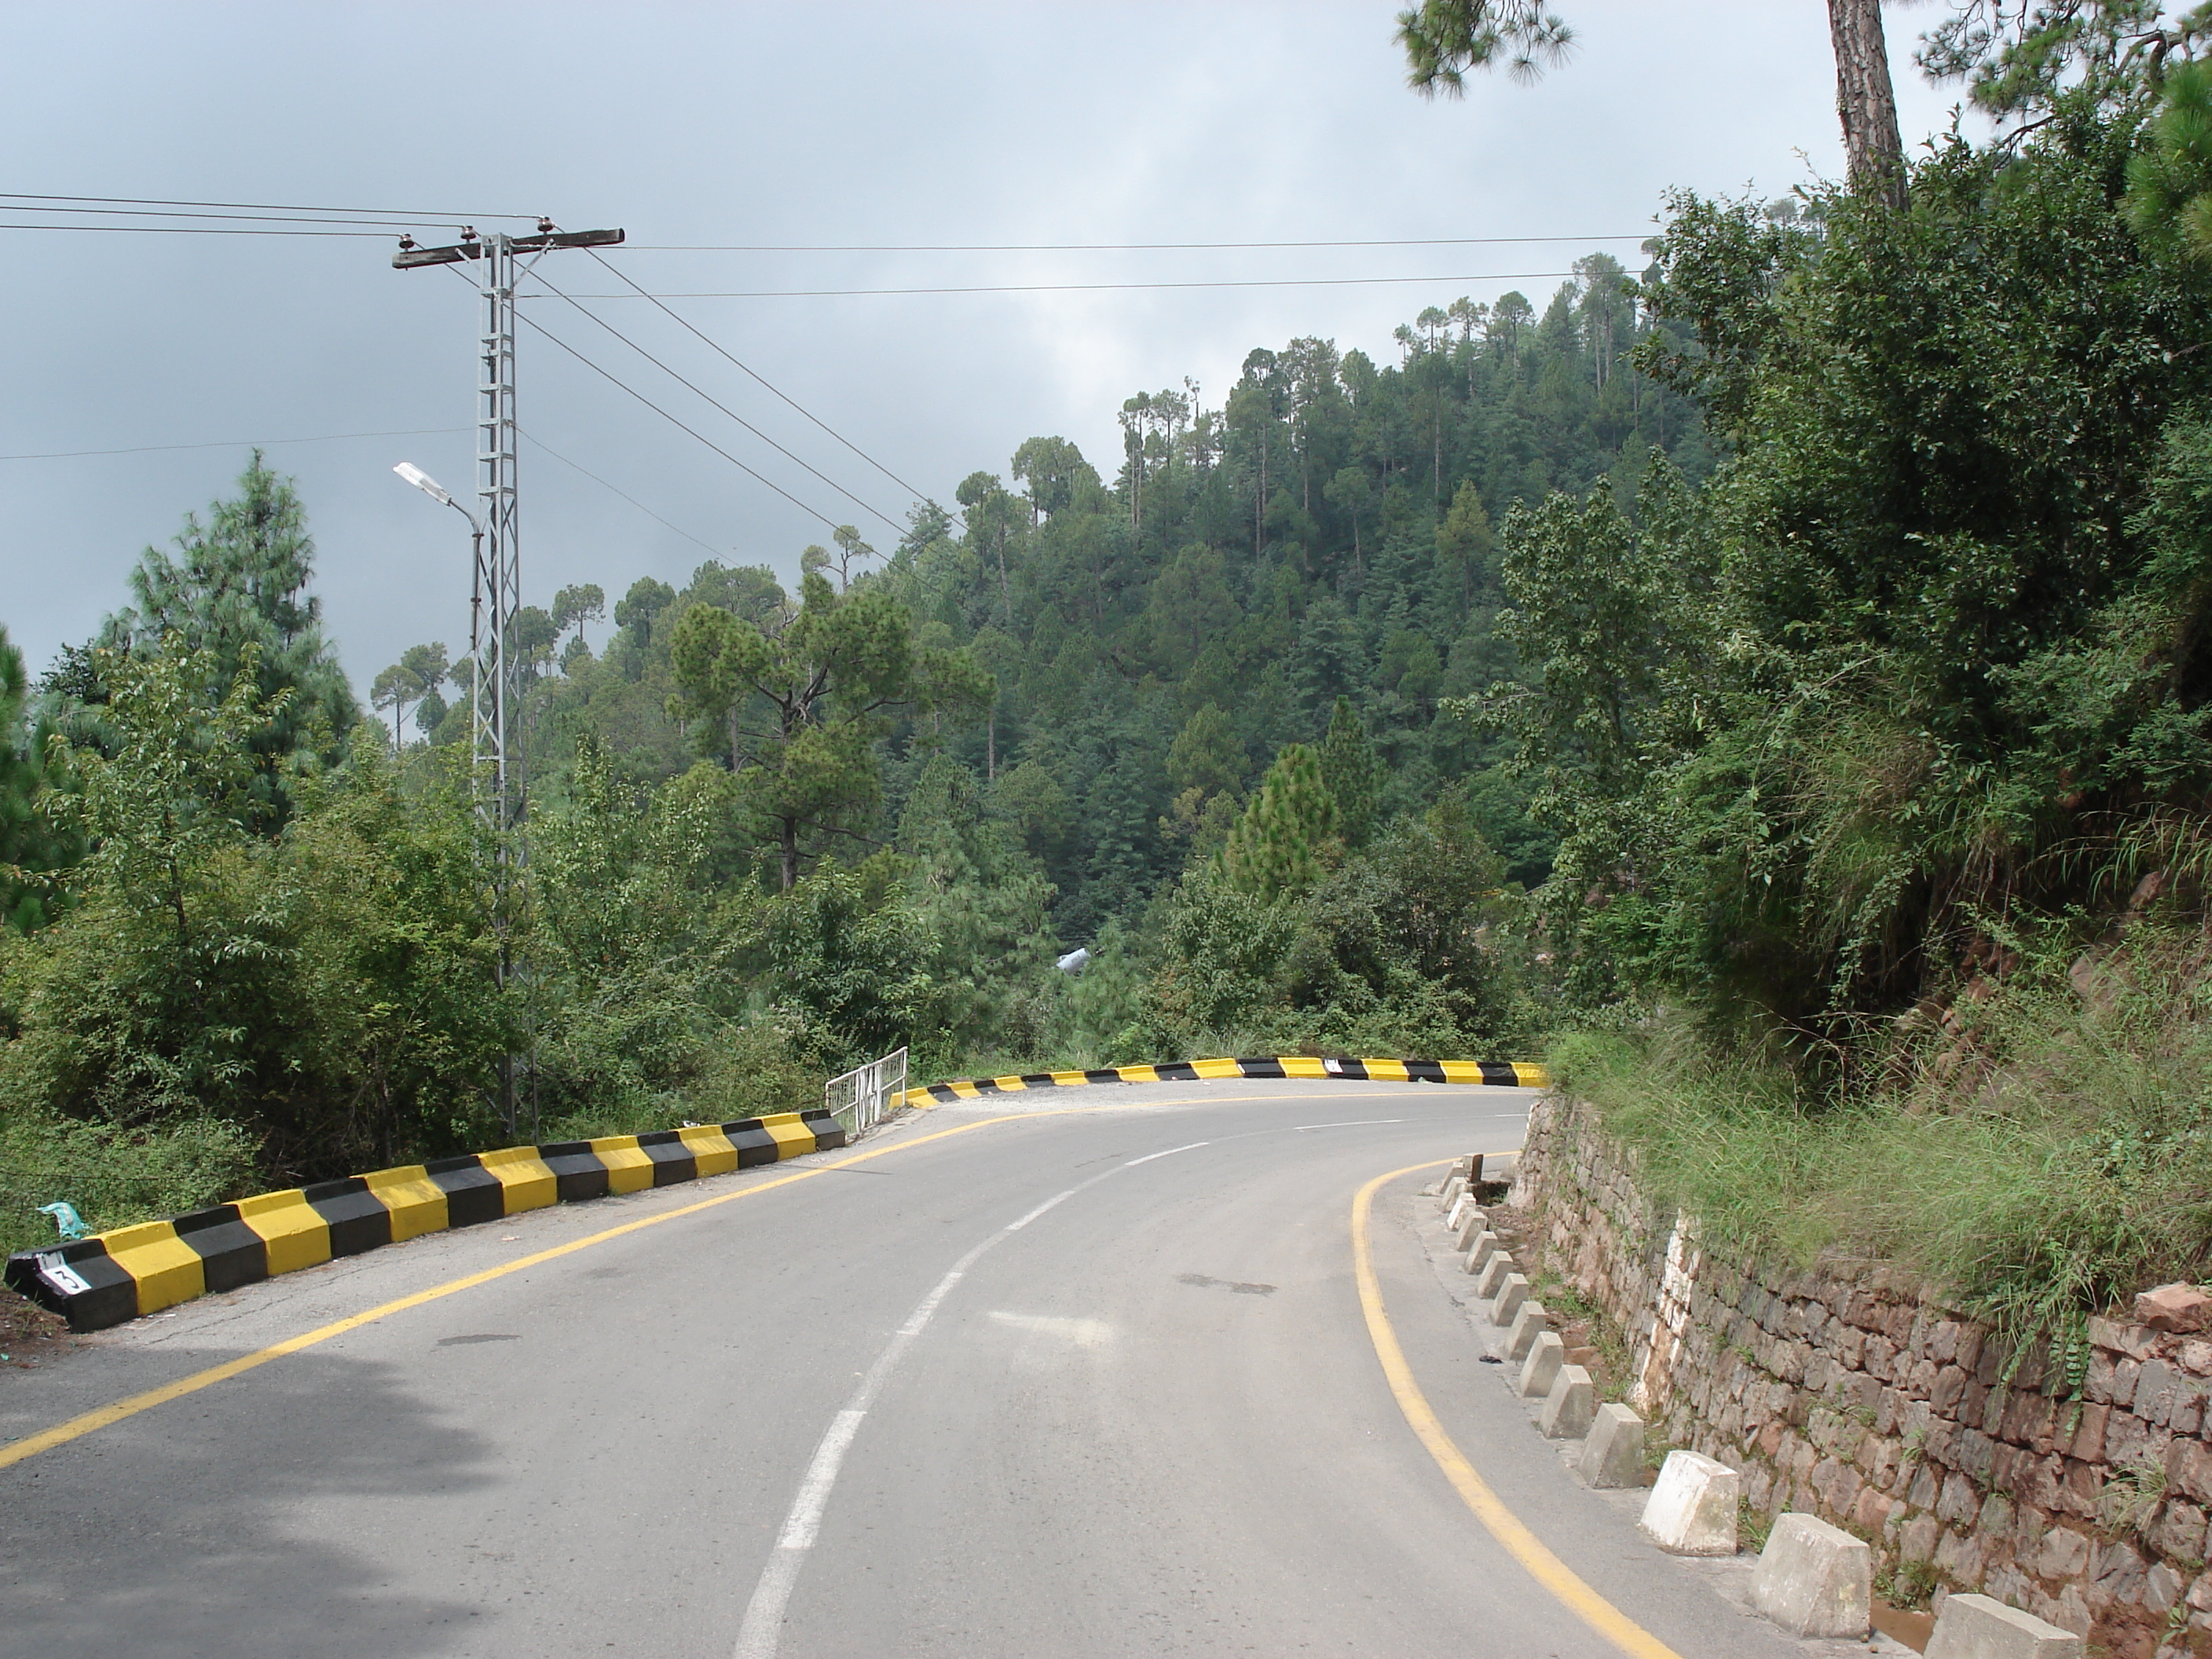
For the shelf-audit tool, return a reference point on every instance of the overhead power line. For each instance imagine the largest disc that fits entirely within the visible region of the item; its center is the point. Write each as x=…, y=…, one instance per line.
x=182, y=213
x=201, y=230
x=412, y=215
x=624, y=494
x=236, y=443
x=709, y=398
x=722, y=351
x=1086, y=288
x=622, y=386
x=1108, y=247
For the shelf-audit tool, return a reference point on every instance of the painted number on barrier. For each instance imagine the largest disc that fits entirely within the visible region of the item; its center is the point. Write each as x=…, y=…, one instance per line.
x=63, y=1277
x=1334, y=1067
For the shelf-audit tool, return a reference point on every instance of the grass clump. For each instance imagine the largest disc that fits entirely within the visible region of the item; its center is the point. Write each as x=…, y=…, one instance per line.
x=2040, y=1159
x=114, y=1176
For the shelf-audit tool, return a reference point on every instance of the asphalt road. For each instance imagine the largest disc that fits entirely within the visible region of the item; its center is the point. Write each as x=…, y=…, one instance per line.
x=1094, y=1380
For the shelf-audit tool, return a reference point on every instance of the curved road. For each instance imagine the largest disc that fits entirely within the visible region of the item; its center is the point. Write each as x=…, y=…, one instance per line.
x=1074, y=1373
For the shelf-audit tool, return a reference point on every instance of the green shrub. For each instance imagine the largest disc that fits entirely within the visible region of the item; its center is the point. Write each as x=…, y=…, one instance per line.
x=115, y=1177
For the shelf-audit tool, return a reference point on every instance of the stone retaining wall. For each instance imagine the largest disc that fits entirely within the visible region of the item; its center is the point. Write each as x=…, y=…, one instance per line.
x=1855, y=1394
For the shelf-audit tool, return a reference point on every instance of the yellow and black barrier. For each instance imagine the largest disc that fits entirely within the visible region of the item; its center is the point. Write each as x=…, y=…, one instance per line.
x=130, y=1272
x=1498, y=1073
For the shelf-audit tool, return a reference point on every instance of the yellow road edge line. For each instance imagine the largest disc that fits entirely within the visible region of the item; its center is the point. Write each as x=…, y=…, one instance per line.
x=1502, y=1524
x=77, y=1427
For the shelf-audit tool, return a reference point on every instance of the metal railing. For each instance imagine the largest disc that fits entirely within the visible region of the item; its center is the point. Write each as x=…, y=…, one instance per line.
x=864, y=1096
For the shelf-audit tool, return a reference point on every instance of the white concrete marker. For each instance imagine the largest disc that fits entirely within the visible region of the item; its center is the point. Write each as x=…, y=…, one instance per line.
x=1478, y=1257
x=1512, y=1292
x=1814, y=1579
x=1539, y=1371
x=1492, y=1274
x=1473, y=1223
x=1531, y=1322
x=1571, y=1407
x=1613, y=1456
x=1976, y=1628
x=1691, y=1511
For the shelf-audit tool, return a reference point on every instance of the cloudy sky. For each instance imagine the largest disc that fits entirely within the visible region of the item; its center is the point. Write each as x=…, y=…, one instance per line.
x=700, y=127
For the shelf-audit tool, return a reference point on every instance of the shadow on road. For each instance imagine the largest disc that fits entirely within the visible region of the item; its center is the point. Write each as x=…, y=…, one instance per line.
x=185, y=1530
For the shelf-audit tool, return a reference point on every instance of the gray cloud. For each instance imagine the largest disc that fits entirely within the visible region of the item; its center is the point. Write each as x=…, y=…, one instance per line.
x=752, y=125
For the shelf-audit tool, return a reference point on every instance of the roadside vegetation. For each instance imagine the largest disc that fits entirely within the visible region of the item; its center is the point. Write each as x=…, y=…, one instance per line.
x=1880, y=762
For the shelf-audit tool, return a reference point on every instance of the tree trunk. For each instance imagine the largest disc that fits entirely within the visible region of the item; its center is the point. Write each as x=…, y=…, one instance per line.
x=787, y=832
x=1866, y=100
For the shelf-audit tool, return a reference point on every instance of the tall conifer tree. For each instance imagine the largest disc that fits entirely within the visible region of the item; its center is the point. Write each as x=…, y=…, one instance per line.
x=1280, y=844
x=237, y=580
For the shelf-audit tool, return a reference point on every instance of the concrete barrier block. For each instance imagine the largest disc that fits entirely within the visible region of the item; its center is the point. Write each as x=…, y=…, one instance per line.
x=1692, y=1509
x=1486, y=1245
x=1505, y=1306
x=1531, y=1322
x=1613, y=1455
x=1541, y=1367
x=1814, y=1579
x=1492, y=1274
x=1454, y=1190
x=1473, y=1223
x=1976, y=1627
x=1454, y=1208
x=1572, y=1405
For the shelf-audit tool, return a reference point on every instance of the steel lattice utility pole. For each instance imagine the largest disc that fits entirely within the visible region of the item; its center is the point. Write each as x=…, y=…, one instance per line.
x=494, y=693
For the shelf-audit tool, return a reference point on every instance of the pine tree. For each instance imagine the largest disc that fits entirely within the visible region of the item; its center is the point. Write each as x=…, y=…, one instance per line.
x=1281, y=843
x=30, y=845
x=1353, y=773
x=240, y=581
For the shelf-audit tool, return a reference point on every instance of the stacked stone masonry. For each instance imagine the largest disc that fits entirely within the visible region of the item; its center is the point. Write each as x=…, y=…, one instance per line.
x=1853, y=1393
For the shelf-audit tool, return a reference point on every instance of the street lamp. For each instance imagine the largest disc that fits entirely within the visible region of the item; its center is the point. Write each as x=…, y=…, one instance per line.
x=496, y=745
x=491, y=729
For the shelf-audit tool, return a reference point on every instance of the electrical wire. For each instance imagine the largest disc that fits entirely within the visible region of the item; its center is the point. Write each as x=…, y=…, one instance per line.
x=251, y=218
x=410, y=214
x=1088, y=288
x=1107, y=247
x=624, y=494
x=242, y=443
x=896, y=527
x=719, y=350
x=200, y=230
x=673, y=421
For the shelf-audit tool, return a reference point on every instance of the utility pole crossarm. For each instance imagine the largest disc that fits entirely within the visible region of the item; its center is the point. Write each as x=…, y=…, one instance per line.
x=409, y=258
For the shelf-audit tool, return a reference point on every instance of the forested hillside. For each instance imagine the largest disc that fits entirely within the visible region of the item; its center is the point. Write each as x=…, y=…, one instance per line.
x=1196, y=717
x=1159, y=625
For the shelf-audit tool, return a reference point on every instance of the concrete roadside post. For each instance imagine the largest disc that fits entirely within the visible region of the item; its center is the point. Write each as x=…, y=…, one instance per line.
x=1814, y=1579
x=1485, y=1246
x=1492, y=1274
x=1692, y=1509
x=1473, y=1223
x=1572, y=1405
x=1512, y=1292
x=1541, y=1368
x=1978, y=1627
x=1613, y=1456
x=1531, y=1322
